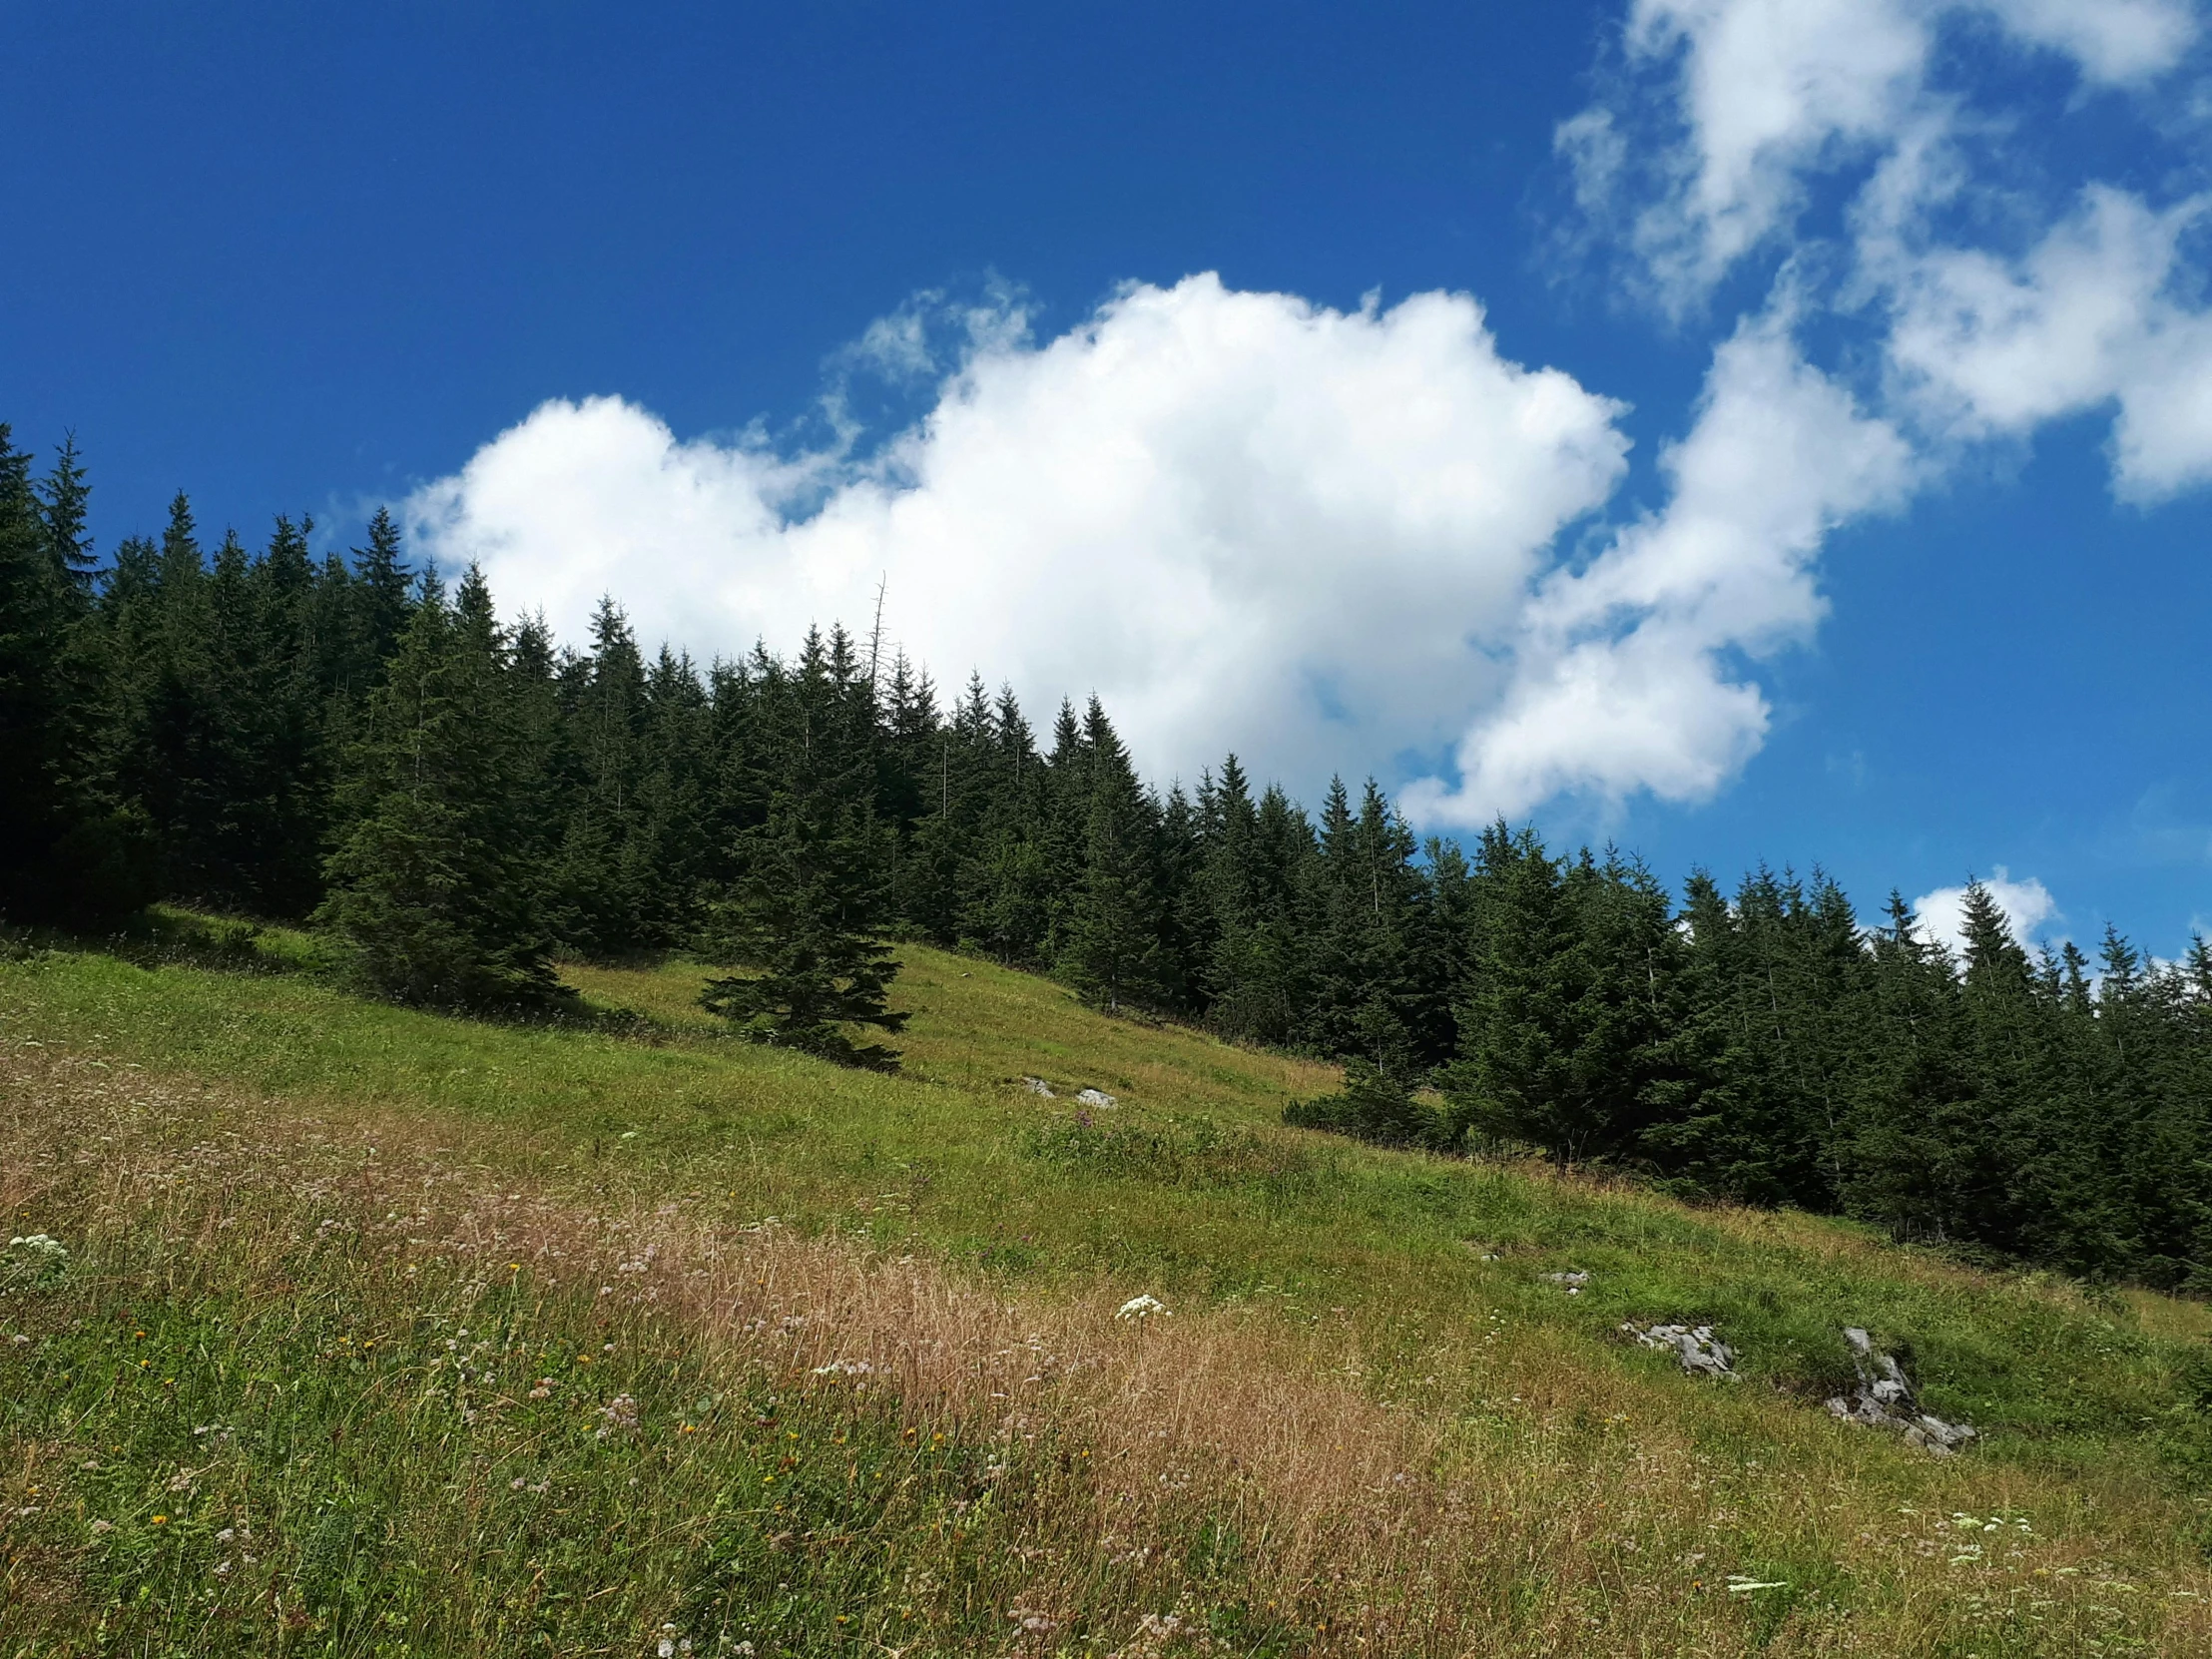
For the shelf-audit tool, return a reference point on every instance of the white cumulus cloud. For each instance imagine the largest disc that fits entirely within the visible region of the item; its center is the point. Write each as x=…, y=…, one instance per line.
x=1758, y=99
x=1975, y=298
x=2027, y=905
x=1242, y=519
x=1337, y=539
x=2113, y=41
x=2089, y=316
x=1623, y=679
x=1766, y=92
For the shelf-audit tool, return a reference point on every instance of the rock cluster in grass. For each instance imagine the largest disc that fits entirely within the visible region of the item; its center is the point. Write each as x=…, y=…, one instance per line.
x=1884, y=1397
x=1695, y=1348
x=1088, y=1097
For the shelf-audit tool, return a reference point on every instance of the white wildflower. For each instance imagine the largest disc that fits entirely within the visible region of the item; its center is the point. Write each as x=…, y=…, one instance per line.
x=34, y=1259
x=1142, y=1307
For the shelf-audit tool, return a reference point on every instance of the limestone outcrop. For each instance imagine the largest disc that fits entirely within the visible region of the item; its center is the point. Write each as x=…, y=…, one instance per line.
x=1884, y=1397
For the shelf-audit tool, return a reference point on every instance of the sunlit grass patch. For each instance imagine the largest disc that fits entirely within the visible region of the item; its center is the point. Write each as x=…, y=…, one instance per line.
x=1371, y=1413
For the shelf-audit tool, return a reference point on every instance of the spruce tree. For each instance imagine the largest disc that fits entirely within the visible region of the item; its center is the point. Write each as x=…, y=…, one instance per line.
x=1570, y=1037
x=1517, y=1075
x=1915, y=1119
x=1113, y=951
x=1008, y=890
x=68, y=853
x=381, y=585
x=432, y=887
x=64, y=500
x=37, y=613
x=802, y=916
x=1379, y=980
x=289, y=765
x=1251, y=971
x=811, y=900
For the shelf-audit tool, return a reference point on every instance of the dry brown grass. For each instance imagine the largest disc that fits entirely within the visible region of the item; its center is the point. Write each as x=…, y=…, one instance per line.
x=1572, y=1509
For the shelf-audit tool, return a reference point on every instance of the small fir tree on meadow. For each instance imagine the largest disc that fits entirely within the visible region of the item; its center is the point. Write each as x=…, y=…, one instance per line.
x=799, y=917
x=806, y=910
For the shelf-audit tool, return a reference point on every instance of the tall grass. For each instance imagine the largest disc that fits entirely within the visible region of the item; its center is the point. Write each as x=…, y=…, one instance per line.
x=349, y=1247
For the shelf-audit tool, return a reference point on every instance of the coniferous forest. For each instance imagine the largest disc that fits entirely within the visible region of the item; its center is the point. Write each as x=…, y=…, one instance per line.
x=456, y=802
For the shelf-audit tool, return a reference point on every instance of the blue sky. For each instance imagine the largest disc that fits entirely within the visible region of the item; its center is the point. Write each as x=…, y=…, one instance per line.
x=731, y=311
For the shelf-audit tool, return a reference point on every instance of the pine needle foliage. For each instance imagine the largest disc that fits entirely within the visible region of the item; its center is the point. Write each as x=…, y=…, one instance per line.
x=429, y=891
x=798, y=918
x=807, y=912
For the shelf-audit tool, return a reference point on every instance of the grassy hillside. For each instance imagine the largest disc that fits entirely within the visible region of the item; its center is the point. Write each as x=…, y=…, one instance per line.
x=380, y=1332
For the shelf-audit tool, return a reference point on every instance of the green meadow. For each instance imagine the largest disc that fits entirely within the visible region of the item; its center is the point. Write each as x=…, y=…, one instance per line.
x=372, y=1332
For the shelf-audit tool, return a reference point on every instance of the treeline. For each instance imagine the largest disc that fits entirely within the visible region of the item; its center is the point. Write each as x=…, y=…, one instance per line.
x=346, y=741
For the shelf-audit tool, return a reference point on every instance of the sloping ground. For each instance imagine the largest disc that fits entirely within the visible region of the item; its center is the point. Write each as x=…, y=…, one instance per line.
x=381, y=1333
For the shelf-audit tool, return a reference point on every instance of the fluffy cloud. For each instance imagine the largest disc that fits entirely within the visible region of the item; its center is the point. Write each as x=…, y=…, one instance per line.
x=1622, y=679
x=1766, y=92
x=1322, y=538
x=1987, y=300
x=1763, y=96
x=1240, y=518
x=2027, y=904
x=2087, y=317
x=2113, y=41
x=1332, y=538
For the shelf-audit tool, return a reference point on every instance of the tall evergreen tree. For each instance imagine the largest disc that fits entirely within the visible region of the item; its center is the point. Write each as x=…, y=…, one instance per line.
x=382, y=585
x=65, y=498
x=37, y=736
x=1915, y=1119
x=1112, y=948
x=67, y=853
x=1569, y=1036
x=810, y=904
x=430, y=888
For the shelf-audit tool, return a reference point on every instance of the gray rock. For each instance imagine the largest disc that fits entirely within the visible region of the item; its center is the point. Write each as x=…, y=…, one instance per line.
x=1037, y=1085
x=1884, y=1397
x=1095, y=1097
x=1574, y=1277
x=1695, y=1348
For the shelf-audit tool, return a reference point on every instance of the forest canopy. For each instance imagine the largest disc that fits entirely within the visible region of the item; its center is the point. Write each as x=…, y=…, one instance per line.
x=458, y=802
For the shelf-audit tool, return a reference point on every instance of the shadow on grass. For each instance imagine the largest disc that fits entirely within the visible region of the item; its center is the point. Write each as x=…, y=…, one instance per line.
x=174, y=935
